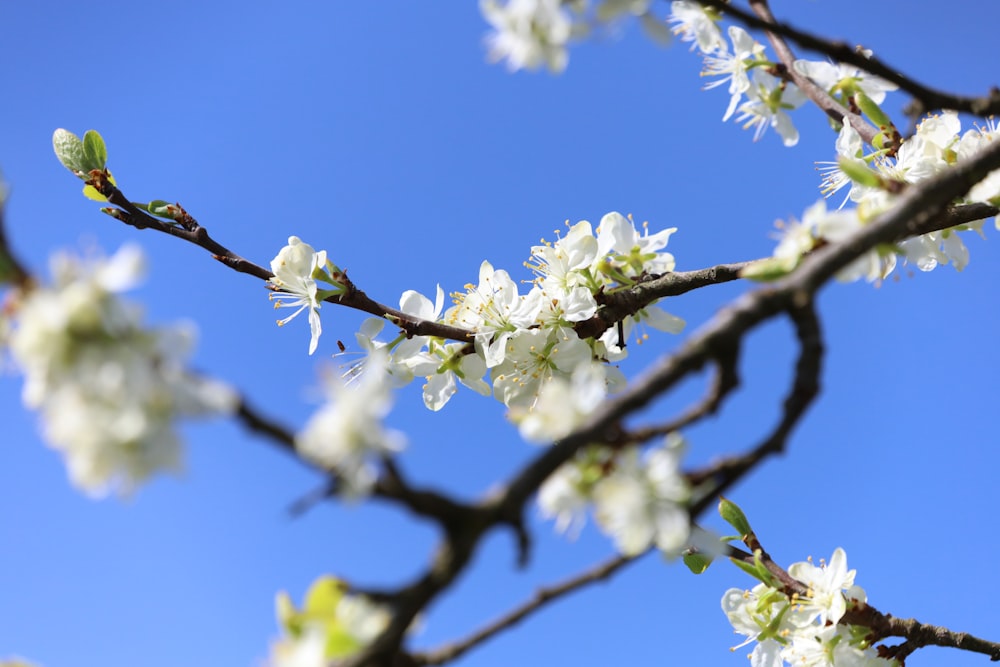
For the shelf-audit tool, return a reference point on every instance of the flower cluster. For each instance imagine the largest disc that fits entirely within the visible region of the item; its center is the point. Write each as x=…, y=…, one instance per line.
x=529, y=34
x=804, y=630
x=523, y=346
x=108, y=388
x=871, y=181
x=638, y=501
x=346, y=435
x=761, y=99
x=332, y=624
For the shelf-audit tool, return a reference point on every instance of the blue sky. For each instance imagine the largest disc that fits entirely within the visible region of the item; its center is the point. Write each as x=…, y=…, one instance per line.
x=379, y=132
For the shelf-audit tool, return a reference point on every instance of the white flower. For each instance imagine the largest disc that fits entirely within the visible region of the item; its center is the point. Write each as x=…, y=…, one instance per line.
x=562, y=266
x=733, y=67
x=361, y=618
x=620, y=246
x=528, y=33
x=495, y=311
x=972, y=142
x=694, y=23
x=767, y=101
x=533, y=357
x=441, y=376
x=849, y=147
x=562, y=404
x=563, y=496
x=846, y=77
x=331, y=624
x=346, y=434
x=825, y=600
x=641, y=503
x=749, y=615
x=293, y=269
x=306, y=650
x=929, y=250
x=108, y=388
x=833, y=226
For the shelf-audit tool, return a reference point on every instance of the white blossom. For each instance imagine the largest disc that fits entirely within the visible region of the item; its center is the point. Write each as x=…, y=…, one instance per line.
x=108, y=388
x=346, y=435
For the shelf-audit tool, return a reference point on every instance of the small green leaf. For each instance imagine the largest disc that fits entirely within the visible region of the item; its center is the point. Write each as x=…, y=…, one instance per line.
x=749, y=569
x=69, y=150
x=859, y=173
x=697, y=562
x=323, y=597
x=340, y=644
x=288, y=616
x=734, y=516
x=94, y=150
x=873, y=111
x=771, y=268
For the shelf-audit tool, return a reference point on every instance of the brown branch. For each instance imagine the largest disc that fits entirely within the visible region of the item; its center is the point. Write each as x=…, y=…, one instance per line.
x=819, y=97
x=725, y=380
x=9, y=263
x=390, y=486
x=926, y=99
x=916, y=634
x=542, y=598
x=805, y=388
x=617, y=305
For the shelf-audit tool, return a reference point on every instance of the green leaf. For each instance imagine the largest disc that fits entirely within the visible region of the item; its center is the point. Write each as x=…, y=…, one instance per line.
x=340, y=644
x=69, y=150
x=873, y=111
x=771, y=268
x=749, y=569
x=696, y=562
x=859, y=173
x=288, y=616
x=94, y=150
x=734, y=516
x=323, y=597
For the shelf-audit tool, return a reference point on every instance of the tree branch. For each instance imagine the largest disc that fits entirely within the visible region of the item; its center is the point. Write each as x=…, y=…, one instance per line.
x=926, y=99
x=542, y=598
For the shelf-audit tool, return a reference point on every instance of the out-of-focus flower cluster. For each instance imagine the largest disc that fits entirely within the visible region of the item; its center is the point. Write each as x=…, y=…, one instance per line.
x=804, y=630
x=346, y=434
x=108, y=388
x=529, y=34
x=639, y=501
x=332, y=624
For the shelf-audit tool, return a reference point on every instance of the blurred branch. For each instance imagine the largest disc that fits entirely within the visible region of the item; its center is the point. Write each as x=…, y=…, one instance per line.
x=542, y=598
x=390, y=486
x=805, y=388
x=724, y=381
x=11, y=268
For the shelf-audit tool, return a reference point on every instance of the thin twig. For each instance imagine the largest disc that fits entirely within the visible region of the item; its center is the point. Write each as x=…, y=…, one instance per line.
x=724, y=382
x=542, y=598
x=927, y=99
